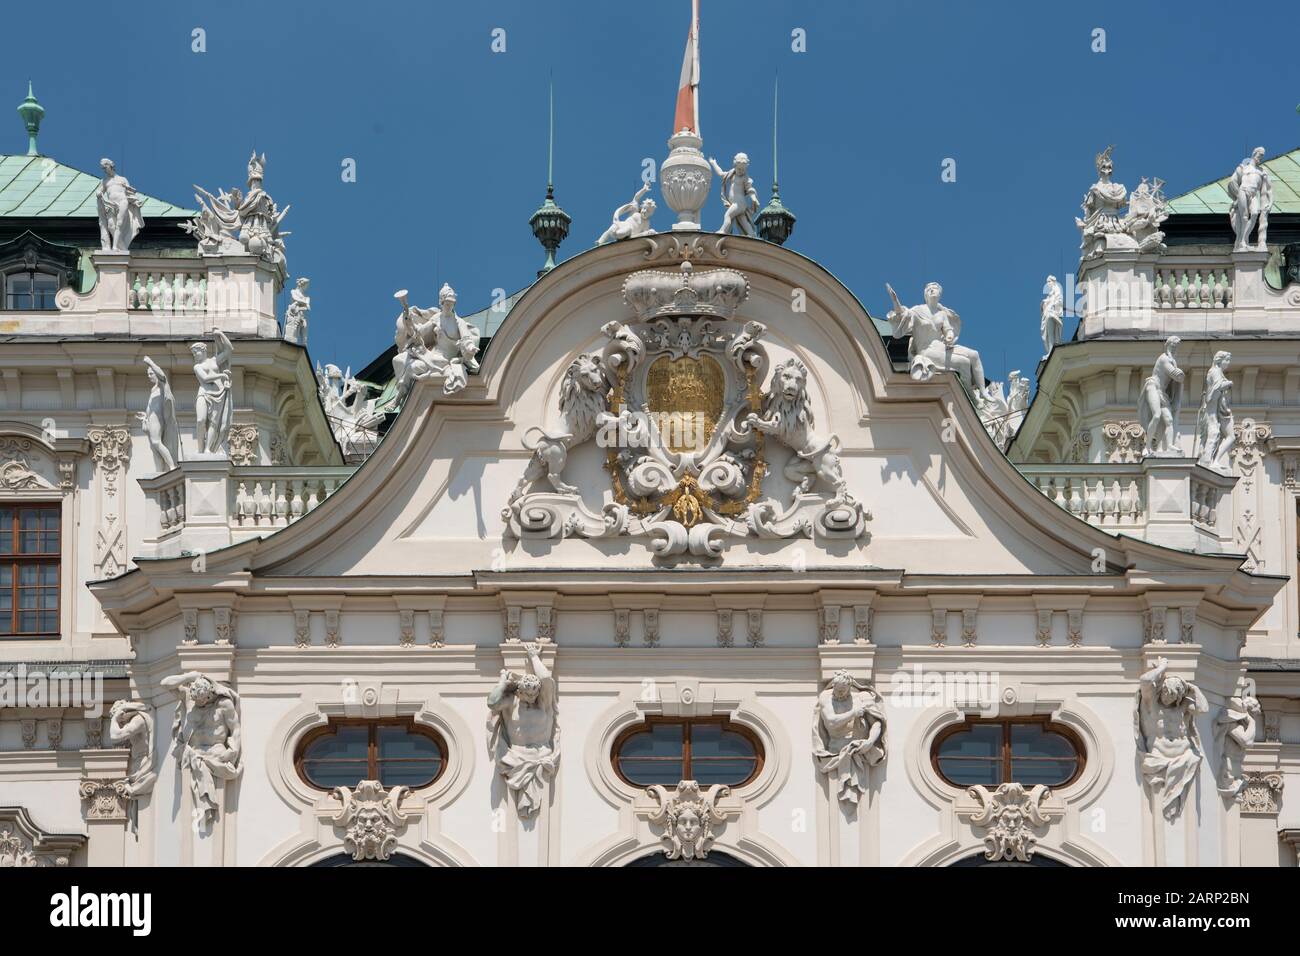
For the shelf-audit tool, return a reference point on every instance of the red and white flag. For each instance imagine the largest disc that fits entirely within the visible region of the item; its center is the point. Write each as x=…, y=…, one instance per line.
x=688, y=90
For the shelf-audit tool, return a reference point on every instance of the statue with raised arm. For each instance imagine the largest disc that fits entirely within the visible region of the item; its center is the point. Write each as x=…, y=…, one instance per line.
x=933, y=329
x=130, y=724
x=1214, y=423
x=1051, y=313
x=524, y=736
x=1234, y=732
x=1161, y=402
x=119, y=207
x=159, y=418
x=631, y=219
x=295, y=315
x=434, y=342
x=739, y=196
x=1251, y=189
x=1164, y=724
x=208, y=737
x=213, y=406
x=848, y=734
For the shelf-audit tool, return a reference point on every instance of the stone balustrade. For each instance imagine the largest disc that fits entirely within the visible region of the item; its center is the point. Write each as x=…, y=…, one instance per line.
x=174, y=290
x=1109, y=496
x=1193, y=286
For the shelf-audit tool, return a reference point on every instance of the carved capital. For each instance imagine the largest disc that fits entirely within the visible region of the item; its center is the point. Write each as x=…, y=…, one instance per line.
x=1261, y=794
x=111, y=450
x=104, y=799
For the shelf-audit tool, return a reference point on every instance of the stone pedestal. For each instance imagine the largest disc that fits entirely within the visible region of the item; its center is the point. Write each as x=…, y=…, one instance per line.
x=200, y=488
x=1188, y=506
x=1119, y=293
x=1248, y=291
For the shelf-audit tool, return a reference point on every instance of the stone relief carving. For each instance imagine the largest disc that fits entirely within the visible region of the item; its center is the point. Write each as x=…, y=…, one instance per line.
x=523, y=732
x=1234, y=732
x=676, y=399
x=372, y=819
x=650, y=622
x=111, y=450
x=16, y=472
x=1104, y=226
x=119, y=207
x=105, y=799
x=159, y=418
x=130, y=724
x=213, y=404
x=241, y=223
x=1261, y=793
x=848, y=734
x=1160, y=403
x=295, y=313
x=630, y=220
x=1051, y=313
x=1011, y=812
x=689, y=816
x=739, y=197
x=754, y=631
x=208, y=737
x=434, y=342
x=1251, y=189
x=23, y=846
x=243, y=444
x=725, y=627
x=1215, y=432
x=1124, y=441
x=1164, y=725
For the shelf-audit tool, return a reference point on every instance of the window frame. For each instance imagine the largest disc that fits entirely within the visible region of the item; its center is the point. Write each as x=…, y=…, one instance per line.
x=334, y=724
x=30, y=271
x=646, y=725
x=1005, y=756
x=17, y=559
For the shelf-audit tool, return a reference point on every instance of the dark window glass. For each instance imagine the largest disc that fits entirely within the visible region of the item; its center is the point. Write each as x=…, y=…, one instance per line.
x=993, y=752
x=29, y=570
x=30, y=291
x=668, y=751
x=392, y=752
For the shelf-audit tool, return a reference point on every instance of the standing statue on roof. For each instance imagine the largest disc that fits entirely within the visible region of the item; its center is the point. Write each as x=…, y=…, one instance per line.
x=1251, y=189
x=738, y=195
x=119, y=207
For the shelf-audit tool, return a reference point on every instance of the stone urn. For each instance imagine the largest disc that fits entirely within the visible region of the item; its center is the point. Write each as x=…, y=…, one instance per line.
x=684, y=179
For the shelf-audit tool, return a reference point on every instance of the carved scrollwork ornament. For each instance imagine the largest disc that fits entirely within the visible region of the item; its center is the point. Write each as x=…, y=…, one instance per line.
x=1011, y=812
x=689, y=816
x=372, y=819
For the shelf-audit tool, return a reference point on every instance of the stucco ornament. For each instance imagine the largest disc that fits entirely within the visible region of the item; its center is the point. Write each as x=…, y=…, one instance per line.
x=1215, y=435
x=1251, y=189
x=523, y=733
x=1234, y=732
x=1051, y=310
x=1164, y=724
x=848, y=734
x=688, y=816
x=119, y=207
x=675, y=399
x=434, y=342
x=1161, y=402
x=295, y=314
x=372, y=818
x=630, y=220
x=208, y=738
x=159, y=418
x=214, y=404
x=1011, y=812
x=932, y=330
x=739, y=197
x=238, y=223
x=1106, y=226
x=130, y=724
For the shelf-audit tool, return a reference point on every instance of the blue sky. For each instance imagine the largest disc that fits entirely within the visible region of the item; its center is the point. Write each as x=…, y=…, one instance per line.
x=449, y=138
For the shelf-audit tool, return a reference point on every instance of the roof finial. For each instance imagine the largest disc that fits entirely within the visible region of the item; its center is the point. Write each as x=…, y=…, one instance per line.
x=550, y=223
x=775, y=222
x=31, y=112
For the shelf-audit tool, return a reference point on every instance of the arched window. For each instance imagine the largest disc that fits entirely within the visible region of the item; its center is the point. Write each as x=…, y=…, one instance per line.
x=345, y=752
x=992, y=752
x=668, y=750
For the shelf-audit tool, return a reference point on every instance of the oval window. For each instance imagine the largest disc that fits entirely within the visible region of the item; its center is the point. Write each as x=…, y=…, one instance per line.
x=666, y=751
x=993, y=752
x=394, y=752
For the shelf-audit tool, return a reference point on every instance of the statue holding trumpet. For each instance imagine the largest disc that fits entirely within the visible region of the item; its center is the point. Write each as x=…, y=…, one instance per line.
x=434, y=342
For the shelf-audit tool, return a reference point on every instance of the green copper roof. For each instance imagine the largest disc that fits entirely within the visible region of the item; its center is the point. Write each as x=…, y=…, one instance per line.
x=1284, y=170
x=32, y=186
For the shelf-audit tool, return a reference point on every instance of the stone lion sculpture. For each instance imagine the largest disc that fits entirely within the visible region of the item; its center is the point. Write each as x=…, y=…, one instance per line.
x=584, y=404
x=788, y=417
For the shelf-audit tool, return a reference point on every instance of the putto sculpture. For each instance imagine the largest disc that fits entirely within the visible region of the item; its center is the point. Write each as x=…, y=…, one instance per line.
x=1215, y=436
x=688, y=816
x=523, y=734
x=630, y=220
x=213, y=405
x=295, y=314
x=1234, y=732
x=1161, y=402
x=1251, y=189
x=1104, y=225
x=848, y=734
x=159, y=418
x=1169, y=744
x=739, y=197
x=237, y=223
x=120, y=220
x=932, y=329
x=130, y=724
x=1051, y=312
x=208, y=738
x=434, y=342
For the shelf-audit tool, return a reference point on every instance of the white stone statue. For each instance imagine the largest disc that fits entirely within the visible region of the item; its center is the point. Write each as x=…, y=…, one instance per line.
x=1104, y=227
x=213, y=405
x=1051, y=311
x=1251, y=189
x=1214, y=424
x=1168, y=741
x=130, y=724
x=295, y=315
x=848, y=734
x=631, y=219
x=119, y=207
x=739, y=196
x=688, y=817
x=934, y=328
x=434, y=342
x=1161, y=402
x=235, y=222
x=208, y=738
x=1234, y=732
x=349, y=408
x=159, y=418
x=524, y=735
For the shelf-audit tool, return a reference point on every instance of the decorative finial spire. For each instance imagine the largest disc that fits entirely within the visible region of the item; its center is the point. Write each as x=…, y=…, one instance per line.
x=31, y=112
x=550, y=223
x=775, y=222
